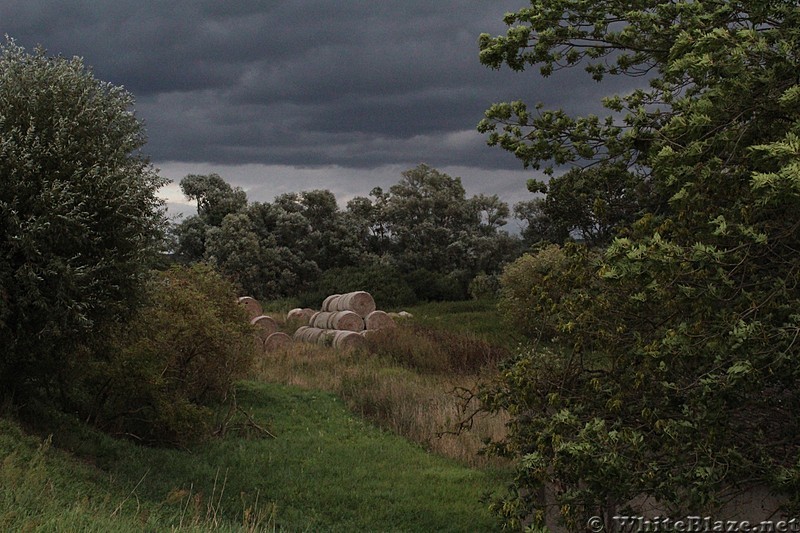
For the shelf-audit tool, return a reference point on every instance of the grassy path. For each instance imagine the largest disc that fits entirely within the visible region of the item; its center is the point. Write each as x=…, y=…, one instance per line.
x=327, y=470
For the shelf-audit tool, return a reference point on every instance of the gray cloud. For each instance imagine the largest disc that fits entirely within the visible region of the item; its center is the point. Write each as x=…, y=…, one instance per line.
x=349, y=89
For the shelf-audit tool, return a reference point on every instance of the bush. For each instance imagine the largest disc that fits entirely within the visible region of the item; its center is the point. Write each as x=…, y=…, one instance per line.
x=80, y=219
x=166, y=374
x=530, y=290
x=438, y=287
x=484, y=286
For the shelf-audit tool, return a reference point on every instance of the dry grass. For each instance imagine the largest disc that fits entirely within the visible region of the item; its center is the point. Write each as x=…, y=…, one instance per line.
x=423, y=407
x=435, y=350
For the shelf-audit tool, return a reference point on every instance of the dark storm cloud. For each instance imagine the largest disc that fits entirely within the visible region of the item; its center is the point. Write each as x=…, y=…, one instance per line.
x=348, y=84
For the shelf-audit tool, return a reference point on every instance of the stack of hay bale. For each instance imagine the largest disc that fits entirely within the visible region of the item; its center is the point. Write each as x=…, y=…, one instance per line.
x=266, y=327
x=344, y=321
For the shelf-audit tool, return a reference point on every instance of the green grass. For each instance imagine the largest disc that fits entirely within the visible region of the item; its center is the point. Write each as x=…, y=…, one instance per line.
x=326, y=470
x=478, y=317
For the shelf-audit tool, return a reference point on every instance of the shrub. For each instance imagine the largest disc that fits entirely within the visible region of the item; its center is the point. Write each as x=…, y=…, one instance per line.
x=437, y=286
x=529, y=290
x=484, y=286
x=176, y=362
x=80, y=219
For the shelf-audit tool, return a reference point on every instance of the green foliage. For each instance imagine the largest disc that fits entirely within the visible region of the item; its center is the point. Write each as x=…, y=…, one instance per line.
x=189, y=237
x=385, y=283
x=539, y=226
x=216, y=199
x=214, y=196
x=168, y=373
x=484, y=286
x=269, y=250
x=531, y=287
x=592, y=204
x=424, y=228
x=475, y=317
x=427, y=227
x=80, y=220
x=438, y=286
x=676, y=371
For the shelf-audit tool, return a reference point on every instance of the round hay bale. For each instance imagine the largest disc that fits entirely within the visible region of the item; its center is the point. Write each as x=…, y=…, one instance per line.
x=300, y=314
x=378, y=320
x=359, y=302
x=369, y=333
x=348, y=340
x=329, y=303
x=313, y=334
x=306, y=335
x=276, y=341
x=251, y=305
x=265, y=325
x=298, y=335
x=326, y=337
x=321, y=320
x=346, y=320
x=394, y=315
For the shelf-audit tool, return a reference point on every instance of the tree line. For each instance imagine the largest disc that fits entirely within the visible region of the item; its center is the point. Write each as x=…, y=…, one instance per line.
x=423, y=239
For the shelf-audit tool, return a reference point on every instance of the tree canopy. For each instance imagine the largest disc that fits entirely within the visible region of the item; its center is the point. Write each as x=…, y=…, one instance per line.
x=424, y=228
x=676, y=370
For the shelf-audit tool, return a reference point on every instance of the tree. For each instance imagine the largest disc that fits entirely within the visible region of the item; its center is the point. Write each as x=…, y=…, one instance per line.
x=434, y=226
x=249, y=248
x=215, y=199
x=214, y=196
x=328, y=239
x=540, y=227
x=592, y=204
x=366, y=219
x=269, y=250
x=80, y=219
x=425, y=212
x=189, y=238
x=676, y=373
x=428, y=229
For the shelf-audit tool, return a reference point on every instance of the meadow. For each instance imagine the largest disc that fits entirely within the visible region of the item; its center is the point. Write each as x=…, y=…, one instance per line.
x=321, y=441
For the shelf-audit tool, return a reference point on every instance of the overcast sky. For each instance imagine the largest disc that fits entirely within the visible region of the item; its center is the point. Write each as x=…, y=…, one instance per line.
x=280, y=96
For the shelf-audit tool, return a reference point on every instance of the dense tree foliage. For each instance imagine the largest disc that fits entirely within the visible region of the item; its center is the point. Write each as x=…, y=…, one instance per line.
x=431, y=231
x=214, y=196
x=675, y=376
x=591, y=204
x=424, y=230
x=79, y=216
x=215, y=200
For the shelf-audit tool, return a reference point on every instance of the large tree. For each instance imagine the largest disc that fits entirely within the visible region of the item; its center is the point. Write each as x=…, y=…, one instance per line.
x=80, y=219
x=676, y=375
x=426, y=223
